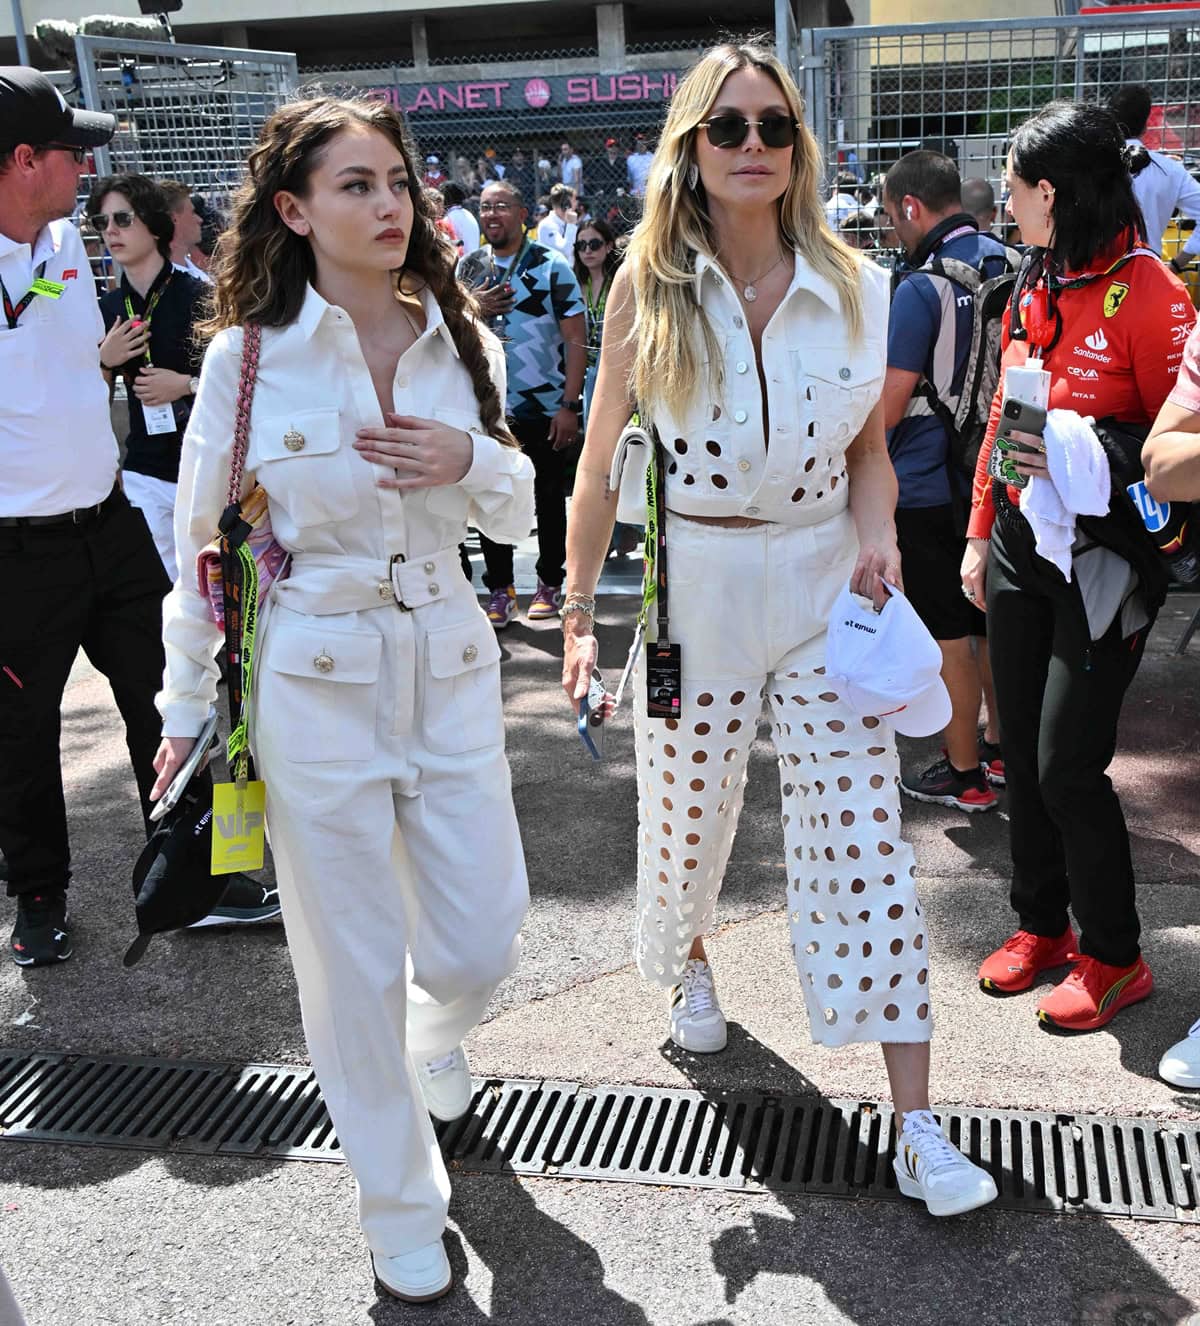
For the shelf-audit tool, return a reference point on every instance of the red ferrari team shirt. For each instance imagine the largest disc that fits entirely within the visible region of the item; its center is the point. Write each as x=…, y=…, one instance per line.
x=1118, y=355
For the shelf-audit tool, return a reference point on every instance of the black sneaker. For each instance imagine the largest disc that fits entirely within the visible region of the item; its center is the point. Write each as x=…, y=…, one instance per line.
x=244, y=902
x=943, y=785
x=42, y=934
x=991, y=761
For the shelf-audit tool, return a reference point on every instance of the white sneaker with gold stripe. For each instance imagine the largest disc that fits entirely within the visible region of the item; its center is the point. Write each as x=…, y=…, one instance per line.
x=929, y=1168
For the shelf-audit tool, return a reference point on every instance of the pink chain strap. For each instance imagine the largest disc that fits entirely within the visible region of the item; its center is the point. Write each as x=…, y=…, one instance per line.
x=251, y=343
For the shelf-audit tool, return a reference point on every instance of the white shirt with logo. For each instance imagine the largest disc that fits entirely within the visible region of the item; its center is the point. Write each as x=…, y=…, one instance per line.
x=57, y=449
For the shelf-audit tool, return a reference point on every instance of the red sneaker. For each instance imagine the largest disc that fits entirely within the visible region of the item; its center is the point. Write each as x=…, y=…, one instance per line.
x=1017, y=961
x=1094, y=994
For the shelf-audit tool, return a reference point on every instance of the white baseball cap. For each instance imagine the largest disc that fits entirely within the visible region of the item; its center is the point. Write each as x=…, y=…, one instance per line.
x=886, y=663
x=431, y=161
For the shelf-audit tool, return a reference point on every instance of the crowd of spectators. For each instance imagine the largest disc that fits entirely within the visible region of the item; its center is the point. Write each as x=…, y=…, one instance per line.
x=607, y=184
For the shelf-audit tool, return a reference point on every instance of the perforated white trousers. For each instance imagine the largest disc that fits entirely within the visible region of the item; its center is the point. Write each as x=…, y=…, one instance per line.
x=749, y=609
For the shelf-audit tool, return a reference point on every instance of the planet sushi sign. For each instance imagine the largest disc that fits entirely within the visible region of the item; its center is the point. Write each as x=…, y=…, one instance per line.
x=531, y=94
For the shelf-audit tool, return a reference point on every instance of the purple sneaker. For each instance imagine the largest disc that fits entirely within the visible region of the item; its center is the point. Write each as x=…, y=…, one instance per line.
x=545, y=603
x=502, y=606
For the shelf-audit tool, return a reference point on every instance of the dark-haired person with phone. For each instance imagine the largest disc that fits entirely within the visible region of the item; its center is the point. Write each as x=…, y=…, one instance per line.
x=1106, y=321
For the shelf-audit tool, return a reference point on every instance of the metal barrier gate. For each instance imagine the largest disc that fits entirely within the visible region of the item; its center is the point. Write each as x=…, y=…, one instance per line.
x=190, y=113
x=876, y=92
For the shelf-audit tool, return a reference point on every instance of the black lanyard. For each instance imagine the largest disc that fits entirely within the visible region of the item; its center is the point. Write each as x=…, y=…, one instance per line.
x=660, y=555
x=12, y=312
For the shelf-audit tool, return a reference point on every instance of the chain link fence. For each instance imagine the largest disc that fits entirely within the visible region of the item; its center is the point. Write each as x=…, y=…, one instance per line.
x=875, y=93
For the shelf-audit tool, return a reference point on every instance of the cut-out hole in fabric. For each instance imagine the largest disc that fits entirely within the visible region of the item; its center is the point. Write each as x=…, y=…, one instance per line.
x=891, y=1012
x=702, y=729
x=719, y=481
x=689, y=479
x=681, y=446
x=697, y=784
x=713, y=448
x=798, y=496
x=704, y=698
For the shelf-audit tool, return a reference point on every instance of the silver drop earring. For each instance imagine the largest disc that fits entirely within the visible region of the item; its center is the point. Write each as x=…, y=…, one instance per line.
x=693, y=175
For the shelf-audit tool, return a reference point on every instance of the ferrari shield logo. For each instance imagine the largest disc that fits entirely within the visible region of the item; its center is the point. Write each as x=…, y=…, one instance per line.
x=1114, y=297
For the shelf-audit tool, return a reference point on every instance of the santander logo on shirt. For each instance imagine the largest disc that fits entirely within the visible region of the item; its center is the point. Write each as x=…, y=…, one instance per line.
x=1096, y=343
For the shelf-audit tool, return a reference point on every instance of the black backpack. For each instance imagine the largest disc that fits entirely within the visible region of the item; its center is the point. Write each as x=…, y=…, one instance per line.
x=964, y=414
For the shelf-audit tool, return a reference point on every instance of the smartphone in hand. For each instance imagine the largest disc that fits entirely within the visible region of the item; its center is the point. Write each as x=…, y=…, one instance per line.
x=592, y=713
x=1015, y=417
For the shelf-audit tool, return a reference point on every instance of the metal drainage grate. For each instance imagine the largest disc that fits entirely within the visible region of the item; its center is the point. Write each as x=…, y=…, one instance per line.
x=1140, y=1168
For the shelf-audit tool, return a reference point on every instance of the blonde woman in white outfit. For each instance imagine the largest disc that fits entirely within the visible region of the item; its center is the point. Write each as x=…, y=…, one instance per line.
x=376, y=431
x=755, y=341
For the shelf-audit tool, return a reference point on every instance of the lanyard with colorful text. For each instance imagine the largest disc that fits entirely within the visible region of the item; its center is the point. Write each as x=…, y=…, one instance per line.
x=151, y=305
x=40, y=286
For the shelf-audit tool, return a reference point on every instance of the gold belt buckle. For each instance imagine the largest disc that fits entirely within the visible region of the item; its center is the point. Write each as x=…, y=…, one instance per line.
x=397, y=557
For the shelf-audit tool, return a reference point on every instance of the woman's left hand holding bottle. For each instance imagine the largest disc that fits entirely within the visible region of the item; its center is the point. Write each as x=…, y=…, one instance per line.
x=423, y=452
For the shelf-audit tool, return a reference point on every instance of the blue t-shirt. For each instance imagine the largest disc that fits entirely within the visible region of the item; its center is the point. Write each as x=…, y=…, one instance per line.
x=544, y=292
x=918, y=446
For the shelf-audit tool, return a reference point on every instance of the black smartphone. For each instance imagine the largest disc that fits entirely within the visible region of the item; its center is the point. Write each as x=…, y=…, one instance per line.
x=1015, y=417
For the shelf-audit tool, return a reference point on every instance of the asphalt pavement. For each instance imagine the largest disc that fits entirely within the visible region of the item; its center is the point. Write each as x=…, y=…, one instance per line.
x=98, y=1236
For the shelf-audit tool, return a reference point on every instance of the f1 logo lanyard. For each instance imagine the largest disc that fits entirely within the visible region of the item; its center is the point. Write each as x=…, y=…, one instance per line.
x=12, y=312
x=151, y=305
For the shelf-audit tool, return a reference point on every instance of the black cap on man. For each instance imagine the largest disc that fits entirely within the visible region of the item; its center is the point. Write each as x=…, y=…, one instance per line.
x=32, y=111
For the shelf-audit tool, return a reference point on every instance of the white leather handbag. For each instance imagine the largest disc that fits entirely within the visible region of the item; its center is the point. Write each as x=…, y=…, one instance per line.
x=628, y=473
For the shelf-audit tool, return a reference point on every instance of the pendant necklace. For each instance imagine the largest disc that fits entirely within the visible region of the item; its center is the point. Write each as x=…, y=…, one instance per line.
x=750, y=288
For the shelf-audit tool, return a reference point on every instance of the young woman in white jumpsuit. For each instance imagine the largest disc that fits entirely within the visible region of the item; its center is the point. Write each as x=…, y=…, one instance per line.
x=755, y=342
x=376, y=431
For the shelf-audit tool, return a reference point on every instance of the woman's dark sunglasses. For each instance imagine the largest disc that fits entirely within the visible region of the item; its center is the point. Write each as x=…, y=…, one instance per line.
x=99, y=222
x=589, y=245
x=732, y=130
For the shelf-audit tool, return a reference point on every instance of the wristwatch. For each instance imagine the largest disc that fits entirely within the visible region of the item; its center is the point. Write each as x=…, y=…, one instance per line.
x=576, y=405
x=194, y=386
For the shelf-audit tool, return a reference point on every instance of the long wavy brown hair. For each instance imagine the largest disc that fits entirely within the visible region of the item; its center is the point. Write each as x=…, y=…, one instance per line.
x=262, y=269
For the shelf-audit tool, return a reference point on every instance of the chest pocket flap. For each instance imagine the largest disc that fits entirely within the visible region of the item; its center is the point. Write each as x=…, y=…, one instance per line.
x=298, y=435
x=844, y=366
x=301, y=462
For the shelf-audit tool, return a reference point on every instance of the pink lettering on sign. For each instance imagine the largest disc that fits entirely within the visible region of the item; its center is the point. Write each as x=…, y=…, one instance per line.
x=620, y=87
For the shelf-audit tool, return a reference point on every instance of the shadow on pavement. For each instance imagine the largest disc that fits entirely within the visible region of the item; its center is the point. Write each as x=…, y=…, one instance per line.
x=540, y=1270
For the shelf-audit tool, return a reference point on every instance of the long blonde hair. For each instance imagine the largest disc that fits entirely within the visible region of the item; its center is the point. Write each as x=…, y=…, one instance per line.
x=675, y=228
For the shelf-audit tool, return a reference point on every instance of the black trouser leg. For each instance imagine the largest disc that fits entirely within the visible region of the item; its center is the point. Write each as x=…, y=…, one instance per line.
x=123, y=639
x=549, y=497
x=1020, y=643
x=550, y=504
x=46, y=598
x=1065, y=692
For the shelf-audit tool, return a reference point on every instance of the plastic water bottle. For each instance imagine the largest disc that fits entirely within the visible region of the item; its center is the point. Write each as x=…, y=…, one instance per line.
x=1171, y=527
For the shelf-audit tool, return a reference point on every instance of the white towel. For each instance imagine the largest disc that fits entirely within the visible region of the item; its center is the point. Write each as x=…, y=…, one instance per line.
x=1080, y=484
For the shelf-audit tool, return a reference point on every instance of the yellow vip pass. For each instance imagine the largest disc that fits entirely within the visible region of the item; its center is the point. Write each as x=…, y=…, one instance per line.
x=238, y=832
x=50, y=289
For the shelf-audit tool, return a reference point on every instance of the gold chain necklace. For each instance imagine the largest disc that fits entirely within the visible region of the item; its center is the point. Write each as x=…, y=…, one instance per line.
x=750, y=288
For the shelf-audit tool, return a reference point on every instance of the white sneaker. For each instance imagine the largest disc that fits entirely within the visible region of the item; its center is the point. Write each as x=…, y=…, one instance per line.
x=697, y=1023
x=929, y=1168
x=414, y=1277
x=1181, y=1064
x=446, y=1084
